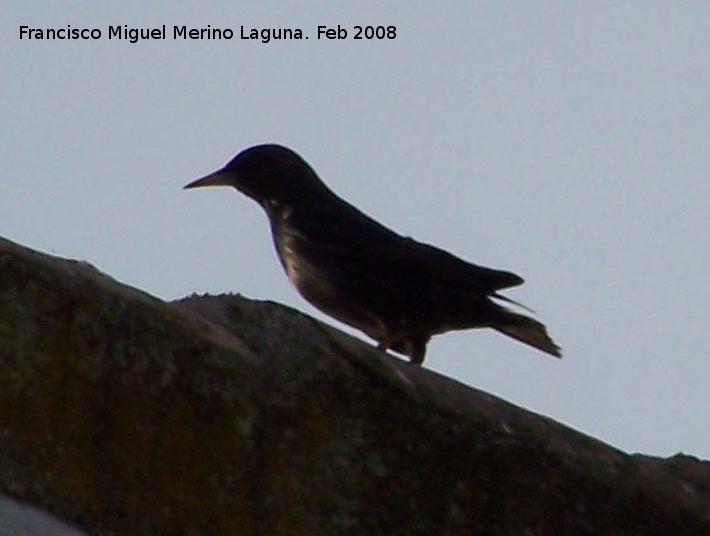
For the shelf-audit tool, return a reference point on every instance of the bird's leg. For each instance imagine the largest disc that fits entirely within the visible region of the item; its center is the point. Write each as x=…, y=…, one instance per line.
x=386, y=342
x=384, y=345
x=417, y=357
x=416, y=349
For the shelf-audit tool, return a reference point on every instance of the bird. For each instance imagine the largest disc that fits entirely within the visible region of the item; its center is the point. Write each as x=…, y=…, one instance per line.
x=397, y=290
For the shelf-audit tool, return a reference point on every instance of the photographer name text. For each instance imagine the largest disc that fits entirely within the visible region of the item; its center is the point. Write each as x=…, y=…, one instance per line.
x=263, y=35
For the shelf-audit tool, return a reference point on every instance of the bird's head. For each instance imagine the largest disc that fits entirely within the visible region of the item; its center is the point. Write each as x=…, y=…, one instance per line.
x=266, y=173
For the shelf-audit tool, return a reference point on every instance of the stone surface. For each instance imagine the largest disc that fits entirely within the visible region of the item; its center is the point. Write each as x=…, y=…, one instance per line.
x=123, y=414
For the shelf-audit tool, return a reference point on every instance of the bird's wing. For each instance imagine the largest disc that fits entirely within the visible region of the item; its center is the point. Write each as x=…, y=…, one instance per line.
x=457, y=269
x=360, y=245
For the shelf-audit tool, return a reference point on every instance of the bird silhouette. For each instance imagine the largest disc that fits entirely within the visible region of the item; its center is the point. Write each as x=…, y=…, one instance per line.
x=398, y=291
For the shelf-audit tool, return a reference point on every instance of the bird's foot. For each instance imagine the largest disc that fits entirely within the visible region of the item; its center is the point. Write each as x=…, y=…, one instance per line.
x=414, y=348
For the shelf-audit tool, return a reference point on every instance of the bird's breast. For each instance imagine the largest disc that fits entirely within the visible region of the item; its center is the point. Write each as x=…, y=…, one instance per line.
x=317, y=278
x=299, y=270
x=310, y=278
x=285, y=243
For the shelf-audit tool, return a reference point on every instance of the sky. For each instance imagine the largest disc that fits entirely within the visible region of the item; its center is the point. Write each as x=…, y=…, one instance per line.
x=566, y=142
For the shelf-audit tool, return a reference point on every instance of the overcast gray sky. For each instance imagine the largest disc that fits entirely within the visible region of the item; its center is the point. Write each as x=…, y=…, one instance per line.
x=567, y=142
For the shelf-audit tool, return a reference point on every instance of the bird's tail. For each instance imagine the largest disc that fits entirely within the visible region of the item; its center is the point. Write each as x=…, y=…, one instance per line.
x=527, y=330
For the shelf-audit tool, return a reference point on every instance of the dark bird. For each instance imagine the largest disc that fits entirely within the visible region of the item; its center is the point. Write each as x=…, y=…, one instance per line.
x=398, y=291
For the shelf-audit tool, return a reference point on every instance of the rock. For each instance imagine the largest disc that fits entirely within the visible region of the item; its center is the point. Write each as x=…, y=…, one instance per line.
x=123, y=414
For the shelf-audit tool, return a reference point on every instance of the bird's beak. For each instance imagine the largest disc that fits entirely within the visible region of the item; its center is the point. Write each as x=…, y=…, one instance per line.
x=218, y=178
